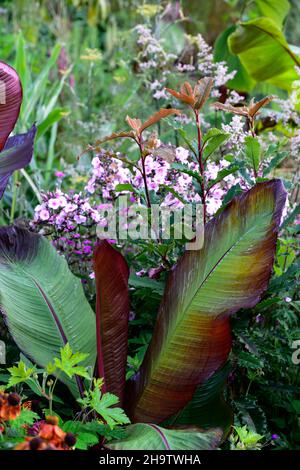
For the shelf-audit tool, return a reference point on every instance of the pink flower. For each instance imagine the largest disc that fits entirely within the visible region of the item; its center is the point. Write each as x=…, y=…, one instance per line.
x=59, y=174
x=79, y=219
x=44, y=214
x=70, y=208
x=53, y=203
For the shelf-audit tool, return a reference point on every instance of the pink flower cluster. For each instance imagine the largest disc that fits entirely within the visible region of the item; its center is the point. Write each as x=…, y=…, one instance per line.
x=65, y=211
x=109, y=172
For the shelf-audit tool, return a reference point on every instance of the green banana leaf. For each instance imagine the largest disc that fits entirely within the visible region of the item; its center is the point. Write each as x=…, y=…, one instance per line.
x=264, y=52
x=277, y=10
x=191, y=338
x=242, y=80
x=151, y=437
x=42, y=302
x=208, y=408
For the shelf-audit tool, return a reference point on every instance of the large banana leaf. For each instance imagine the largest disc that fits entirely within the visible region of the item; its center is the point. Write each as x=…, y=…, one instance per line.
x=277, y=10
x=151, y=437
x=43, y=304
x=17, y=153
x=10, y=101
x=208, y=408
x=264, y=52
x=112, y=314
x=191, y=339
x=242, y=80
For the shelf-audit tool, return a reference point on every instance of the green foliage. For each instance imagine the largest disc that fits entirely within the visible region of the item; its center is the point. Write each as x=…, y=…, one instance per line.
x=151, y=437
x=68, y=363
x=20, y=373
x=245, y=439
x=262, y=38
x=104, y=405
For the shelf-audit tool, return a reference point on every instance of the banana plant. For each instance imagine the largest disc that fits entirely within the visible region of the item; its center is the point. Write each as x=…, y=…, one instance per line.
x=15, y=152
x=181, y=379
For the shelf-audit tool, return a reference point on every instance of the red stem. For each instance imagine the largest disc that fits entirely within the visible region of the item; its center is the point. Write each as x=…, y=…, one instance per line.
x=201, y=164
x=140, y=144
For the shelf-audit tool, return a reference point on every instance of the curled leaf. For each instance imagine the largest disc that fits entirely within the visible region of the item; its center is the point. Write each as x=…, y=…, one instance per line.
x=10, y=101
x=202, y=91
x=162, y=113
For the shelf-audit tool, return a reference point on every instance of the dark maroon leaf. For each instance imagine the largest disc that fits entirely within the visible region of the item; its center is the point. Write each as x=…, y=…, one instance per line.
x=112, y=313
x=10, y=101
x=17, y=154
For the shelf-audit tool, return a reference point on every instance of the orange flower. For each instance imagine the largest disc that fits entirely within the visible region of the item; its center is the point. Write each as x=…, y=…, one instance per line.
x=10, y=407
x=50, y=431
x=50, y=437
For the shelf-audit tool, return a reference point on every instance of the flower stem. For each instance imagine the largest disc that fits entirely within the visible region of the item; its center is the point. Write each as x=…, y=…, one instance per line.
x=140, y=143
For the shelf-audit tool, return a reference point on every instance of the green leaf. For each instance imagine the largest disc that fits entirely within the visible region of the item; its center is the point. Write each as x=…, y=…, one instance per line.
x=213, y=140
x=275, y=161
x=252, y=150
x=147, y=283
x=54, y=116
x=250, y=361
x=242, y=80
x=125, y=187
x=68, y=363
x=151, y=437
x=19, y=373
x=104, y=405
x=277, y=10
x=222, y=174
x=185, y=169
x=264, y=52
x=191, y=338
x=43, y=303
x=26, y=417
x=208, y=396
x=40, y=84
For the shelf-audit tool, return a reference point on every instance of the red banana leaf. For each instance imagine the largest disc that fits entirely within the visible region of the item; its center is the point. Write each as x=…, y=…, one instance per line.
x=191, y=339
x=10, y=101
x=112, y=313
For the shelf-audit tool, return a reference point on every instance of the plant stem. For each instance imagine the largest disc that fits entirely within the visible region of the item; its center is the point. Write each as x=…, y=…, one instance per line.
x=140, y=144
x=252, y=130
x=14, y=197
x=201, y=164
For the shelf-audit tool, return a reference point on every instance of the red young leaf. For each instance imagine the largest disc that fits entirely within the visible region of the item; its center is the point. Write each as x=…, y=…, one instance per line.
x=162, y=113
x=135, y=124
x=10, y=101
x=112, y=313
